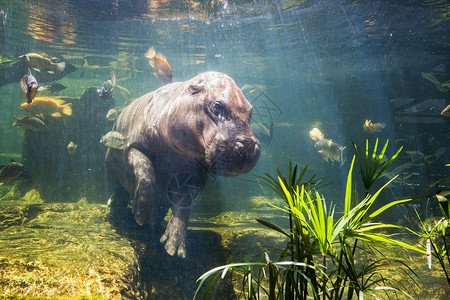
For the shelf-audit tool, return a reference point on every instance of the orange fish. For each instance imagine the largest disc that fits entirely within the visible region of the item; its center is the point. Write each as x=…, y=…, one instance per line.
x=373, y=127
x=159, y=63
x=48, y=107
x=316, y=135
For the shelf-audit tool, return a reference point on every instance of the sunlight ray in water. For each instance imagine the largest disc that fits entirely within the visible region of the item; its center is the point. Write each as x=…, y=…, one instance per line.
x=191, y=101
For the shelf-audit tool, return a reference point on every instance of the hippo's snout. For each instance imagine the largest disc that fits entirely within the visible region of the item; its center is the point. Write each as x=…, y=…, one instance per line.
x=236, y=157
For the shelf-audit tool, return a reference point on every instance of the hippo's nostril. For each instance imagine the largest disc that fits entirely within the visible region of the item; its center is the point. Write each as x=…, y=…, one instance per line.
x=257, y=148
x=238, y=146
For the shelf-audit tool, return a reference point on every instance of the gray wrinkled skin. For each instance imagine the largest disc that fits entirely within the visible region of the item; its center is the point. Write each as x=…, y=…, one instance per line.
x=176, y=135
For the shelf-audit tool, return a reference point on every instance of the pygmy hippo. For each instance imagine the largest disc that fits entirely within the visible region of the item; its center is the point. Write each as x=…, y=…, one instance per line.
x=176, y=135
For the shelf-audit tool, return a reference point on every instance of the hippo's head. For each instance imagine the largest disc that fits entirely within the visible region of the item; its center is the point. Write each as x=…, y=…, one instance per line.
x=215, y=128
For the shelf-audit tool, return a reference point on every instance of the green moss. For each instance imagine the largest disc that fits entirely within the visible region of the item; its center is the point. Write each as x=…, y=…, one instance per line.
x=52, y=298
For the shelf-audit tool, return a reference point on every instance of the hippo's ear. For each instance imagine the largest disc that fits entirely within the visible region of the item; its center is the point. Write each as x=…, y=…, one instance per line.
x=195, y=88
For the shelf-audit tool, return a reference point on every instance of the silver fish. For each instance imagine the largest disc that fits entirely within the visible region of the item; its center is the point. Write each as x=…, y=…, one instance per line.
x=114, y=139
x=113, y=113
x=42, y=62
x=105, y=92
x=29, y=123
x=263, y=132
x=10, y=172
x=330, y=150
x=29, y=85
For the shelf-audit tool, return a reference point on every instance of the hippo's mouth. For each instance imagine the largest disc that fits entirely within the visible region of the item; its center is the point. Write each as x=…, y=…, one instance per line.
x=240, y=158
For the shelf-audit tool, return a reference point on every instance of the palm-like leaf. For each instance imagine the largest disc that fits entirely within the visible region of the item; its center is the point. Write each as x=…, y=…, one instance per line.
x=293, y=179
x=313, y=230
x=372, y=165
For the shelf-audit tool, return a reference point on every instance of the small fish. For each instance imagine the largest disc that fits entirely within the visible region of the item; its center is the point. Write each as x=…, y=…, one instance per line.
x=43, y=62
x=159, y=63
x=330, y=150
x=105, y=92
x=48, y=107
x=263, y=132
x=30, y=86
x=54, y=88
x=253, y=89
x=373, y=127
x=10, y=172
x=71, y=148
x=316, y=135
x=446, y=111
x=113, y=113
x=114, y=139
x=29, y=123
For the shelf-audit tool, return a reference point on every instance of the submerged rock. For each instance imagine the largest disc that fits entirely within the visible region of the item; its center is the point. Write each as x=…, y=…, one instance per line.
x=73, y=250
x=50, y=250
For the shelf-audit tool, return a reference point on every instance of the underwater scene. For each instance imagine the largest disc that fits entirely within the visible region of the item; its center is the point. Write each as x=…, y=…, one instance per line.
x=224, y=149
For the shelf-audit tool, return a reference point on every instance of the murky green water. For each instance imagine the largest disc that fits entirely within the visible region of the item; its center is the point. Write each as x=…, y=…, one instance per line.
x=302, y=64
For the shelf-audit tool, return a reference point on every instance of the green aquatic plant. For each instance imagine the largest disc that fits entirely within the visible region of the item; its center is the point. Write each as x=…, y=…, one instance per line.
x=436, y=231
x=252, y=275
x=293, y=179
x=313, y=233
x=373, y=165
x=300, y=247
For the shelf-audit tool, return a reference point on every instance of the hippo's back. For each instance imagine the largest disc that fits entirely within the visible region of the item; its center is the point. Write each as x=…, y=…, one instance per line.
x=146, y=111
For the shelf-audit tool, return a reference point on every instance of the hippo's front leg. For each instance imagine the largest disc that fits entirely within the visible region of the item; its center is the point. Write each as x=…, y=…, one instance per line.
x=145, y=205
x=175, y=235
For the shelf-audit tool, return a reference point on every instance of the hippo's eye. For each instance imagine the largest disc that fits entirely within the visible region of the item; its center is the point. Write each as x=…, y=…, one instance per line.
x=218, y=108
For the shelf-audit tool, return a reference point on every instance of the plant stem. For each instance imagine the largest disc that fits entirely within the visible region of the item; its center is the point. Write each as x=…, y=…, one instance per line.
x=446, y=252
x=338, y=278
x=324, y=277
x=440, y=261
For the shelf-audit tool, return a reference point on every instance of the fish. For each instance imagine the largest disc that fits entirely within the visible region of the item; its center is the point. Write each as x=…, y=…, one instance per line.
x=316, y=135
x=29, y=123
x=71, y=148
x=114, y=139
x=253, y=88
x=54, y=88
x=30, y=86
x=446, y=111
x=330, y=150
x=48, y=107
x=105, y=92
x=163, y=71
x=263, y=132
x=43, y=62
x=10, y=172
x=373, y=127
x=113, y=113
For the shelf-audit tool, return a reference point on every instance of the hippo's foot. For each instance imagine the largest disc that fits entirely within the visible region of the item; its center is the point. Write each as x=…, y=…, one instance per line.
x=119, y=199
x=118, y=207
x=174, y=237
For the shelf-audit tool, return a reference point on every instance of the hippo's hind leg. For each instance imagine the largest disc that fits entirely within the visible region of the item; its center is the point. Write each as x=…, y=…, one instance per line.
x=145, y=205
x=119, y=199
x=117, y=204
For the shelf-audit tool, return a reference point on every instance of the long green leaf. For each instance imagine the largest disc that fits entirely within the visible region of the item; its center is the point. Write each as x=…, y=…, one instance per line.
x=389, y=205
x=348, y=190
x=273, y=227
